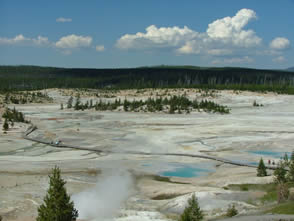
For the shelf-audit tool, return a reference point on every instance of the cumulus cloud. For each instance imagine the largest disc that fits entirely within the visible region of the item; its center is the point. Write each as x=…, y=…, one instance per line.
x=279, y=59
x=100, y=48
x=230, y=29
x=73, y=41
x=22, y=40
x=280, y=43
x=222, y=37
x=156, y=37
x=62, y=20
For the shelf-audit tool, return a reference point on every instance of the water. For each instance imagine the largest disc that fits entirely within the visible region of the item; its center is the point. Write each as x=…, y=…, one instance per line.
x=270, y=153
x=185, y=171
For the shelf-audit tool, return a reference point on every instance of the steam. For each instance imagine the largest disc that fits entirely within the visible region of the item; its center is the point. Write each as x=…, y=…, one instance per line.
x=105, y=199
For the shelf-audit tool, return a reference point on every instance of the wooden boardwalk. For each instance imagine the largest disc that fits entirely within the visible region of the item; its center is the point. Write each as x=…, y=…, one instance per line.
x=32, y=128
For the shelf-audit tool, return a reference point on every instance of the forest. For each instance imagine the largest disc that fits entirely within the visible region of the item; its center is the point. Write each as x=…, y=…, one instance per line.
x=14, y=78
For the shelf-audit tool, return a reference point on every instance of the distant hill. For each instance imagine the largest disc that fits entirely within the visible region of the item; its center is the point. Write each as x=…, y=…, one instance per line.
x=36, y=77
x=290, y=69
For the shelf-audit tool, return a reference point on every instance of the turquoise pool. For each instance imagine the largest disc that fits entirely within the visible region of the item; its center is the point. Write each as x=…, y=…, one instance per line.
x=270, y=153
x=186, y=171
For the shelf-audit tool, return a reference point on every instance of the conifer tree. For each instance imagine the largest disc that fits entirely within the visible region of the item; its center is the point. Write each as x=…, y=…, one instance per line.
x=57, y=205
x=5, y=125
x=69, y=102
x=290, y=175
x=192, y=212
x=280, y=173
x=261, y=169
x=232, y=211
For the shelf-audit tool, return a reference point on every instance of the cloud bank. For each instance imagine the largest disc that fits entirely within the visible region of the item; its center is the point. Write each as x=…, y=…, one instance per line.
x=227, y=36
x=22, y=40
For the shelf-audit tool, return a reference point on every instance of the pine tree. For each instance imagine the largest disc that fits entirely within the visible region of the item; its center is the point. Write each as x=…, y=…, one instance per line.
x=61, y=106
x=261, y=169
x=290, y=174
x=69, y=102
x=57, y=205
x=280, y=173
x=232, y=211
x=292, y=156
x=286, y=159
x=5, y=125
x=192, y=212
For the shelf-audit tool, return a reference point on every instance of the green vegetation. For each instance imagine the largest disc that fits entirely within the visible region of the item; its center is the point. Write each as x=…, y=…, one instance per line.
x=255, y=104
x=283, y=208
x=192, y=212
x=12, y=116
x=261, y=169
x=280, y=173
x=174, y=104
x=232, y=211
x=270, y=190
x=57, y=205
x=166, y=196
x=5, y=125
x=18, y=97
x=290, y=175
x=33, y=78
x=164, y=179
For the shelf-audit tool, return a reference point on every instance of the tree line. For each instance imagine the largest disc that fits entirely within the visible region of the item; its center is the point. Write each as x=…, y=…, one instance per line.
x=171, y=105
x=35, y=78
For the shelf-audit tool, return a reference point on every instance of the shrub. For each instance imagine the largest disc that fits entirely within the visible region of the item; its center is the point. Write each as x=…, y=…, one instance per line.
x=232, y=211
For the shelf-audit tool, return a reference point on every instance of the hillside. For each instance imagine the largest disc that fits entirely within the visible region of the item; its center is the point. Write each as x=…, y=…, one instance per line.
x=290, y=69
x=35, y=77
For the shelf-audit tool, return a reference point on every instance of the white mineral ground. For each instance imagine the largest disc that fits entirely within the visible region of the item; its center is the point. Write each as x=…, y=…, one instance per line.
x=113, y=186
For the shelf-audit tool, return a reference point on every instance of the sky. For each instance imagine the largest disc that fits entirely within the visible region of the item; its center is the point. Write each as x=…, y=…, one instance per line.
x=133, y=33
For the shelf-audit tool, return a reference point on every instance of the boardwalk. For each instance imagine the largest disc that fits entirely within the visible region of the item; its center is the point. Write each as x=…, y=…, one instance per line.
x=219, y=159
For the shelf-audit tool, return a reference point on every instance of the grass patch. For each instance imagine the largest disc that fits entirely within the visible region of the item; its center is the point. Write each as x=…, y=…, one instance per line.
x=165, y=196
x=251, y=187
x=165, y=179
x=159, y=179
x=270, y=189
x=284, y=208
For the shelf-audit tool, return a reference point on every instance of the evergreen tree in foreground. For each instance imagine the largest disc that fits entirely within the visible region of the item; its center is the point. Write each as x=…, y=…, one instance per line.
x=192, y=212
x=290, y=174
x=57, y=205
x=261, y=169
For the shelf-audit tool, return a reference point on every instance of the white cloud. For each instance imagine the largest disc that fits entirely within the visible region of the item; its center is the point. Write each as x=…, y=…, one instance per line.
x=222, y=37
x=279, y=59
x=41, y=40
x=22, y=40
x=234, y=60
x=280, y=43
x=100, y=48
x=73, y=41
x=230, y=29
x=156, y=37
x=61, y=19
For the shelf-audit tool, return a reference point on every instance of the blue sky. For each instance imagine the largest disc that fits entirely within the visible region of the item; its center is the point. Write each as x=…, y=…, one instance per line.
x=125, y=33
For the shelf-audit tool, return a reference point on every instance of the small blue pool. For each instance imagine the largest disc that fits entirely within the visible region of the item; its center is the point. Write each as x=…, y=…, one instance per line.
x=185, y=172
x=270, y=153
